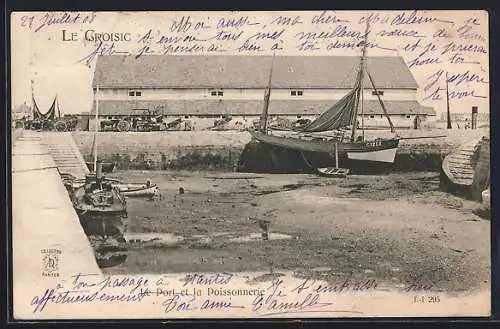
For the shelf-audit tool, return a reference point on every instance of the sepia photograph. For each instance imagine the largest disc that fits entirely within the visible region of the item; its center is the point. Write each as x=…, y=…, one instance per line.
x=249, y=164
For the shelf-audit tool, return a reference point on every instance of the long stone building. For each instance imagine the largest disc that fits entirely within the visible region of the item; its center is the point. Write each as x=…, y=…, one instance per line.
x=207, y=88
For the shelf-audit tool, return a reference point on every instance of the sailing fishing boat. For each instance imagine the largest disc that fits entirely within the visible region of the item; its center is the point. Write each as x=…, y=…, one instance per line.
x=101, y=208
x=41, y=120
x=327, y=133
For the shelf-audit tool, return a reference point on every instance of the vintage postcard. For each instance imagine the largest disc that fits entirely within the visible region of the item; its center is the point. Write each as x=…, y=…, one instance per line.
x=291, y=164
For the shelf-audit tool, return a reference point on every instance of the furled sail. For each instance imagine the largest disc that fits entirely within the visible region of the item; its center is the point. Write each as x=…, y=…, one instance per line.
x=51, y=113
x=341, y=114
x=36, y=111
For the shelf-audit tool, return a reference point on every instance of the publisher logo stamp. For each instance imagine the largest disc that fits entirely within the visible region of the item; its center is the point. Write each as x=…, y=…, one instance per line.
x=50, y=262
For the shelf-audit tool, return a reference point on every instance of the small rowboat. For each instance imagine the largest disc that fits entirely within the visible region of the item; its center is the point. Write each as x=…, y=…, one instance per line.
x=333, y=172
x=131, y=190
x=139, y=190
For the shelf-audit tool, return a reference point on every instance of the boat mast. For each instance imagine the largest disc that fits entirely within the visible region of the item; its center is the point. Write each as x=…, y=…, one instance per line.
x=96, y=130
x=363, y=54
x=267, y=96
x=381, y=103
x=361, y=74
x=58, y=108
x=448, y=114
x=33, y=104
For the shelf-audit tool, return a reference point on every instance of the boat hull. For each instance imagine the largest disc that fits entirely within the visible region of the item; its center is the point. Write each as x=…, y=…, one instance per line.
x=105, y=228
x=385, y=155
x=333, y=172
x=381, y=150
x=130, y=190
x=138, y=190
x=98, y=223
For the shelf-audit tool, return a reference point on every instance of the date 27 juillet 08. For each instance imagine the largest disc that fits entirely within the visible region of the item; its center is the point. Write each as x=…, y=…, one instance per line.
x=423, y=299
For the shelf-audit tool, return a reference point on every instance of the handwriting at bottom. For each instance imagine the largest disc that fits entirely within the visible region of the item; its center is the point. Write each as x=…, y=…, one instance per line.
x=183, y=304
x=58, y=296
x=275, y=302
x=276, y=305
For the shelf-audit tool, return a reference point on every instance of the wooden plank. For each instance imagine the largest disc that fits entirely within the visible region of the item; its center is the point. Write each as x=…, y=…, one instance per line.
x=461, y=156
x=460, y=165
x=462, y=171
x=462, y=175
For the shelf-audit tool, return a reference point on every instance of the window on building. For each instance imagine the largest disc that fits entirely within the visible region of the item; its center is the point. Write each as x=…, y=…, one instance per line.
x=296, y=92
x=186, y=117
x=217, y=92
x=372, y=117
x=299, y=116
x=408, y=116
x=378, y=92
x=133, y=93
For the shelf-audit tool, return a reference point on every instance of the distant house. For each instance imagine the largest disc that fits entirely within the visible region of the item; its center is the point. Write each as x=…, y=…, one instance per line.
x=21, y=111
x=206, y=88
x=462, y=116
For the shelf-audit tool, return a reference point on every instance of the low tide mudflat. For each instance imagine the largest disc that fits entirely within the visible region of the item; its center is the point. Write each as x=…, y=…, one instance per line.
x=393, y=228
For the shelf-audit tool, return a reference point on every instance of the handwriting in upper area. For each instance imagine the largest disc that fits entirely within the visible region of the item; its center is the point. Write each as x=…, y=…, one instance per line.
x=38, y=23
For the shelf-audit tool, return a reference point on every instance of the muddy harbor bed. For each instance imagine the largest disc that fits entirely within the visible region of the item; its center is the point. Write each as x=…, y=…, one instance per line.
x=389, y=228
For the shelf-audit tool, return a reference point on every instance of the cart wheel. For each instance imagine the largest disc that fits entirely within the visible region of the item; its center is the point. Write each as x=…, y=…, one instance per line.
x=19, y=124
x=47, y=125
x=123, y=125
x=61, y=126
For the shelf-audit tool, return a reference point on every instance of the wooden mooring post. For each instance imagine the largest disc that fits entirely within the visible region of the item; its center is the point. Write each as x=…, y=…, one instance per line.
x=474, y=117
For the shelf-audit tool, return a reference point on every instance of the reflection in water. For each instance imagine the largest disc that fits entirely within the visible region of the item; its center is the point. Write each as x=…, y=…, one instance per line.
x=110, y=259
x=109, y=251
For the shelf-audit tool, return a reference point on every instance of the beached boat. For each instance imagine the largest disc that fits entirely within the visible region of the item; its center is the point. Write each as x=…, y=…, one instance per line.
x=336, y=127
x=127, y=189
x=379, y=150
x=138, y=190
x=466, y=171
x=102, y=210
x=100, y=206
x=333, y=172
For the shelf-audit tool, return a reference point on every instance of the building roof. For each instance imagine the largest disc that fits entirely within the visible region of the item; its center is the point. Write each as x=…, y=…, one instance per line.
x=249, y=107
x=175, y=71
